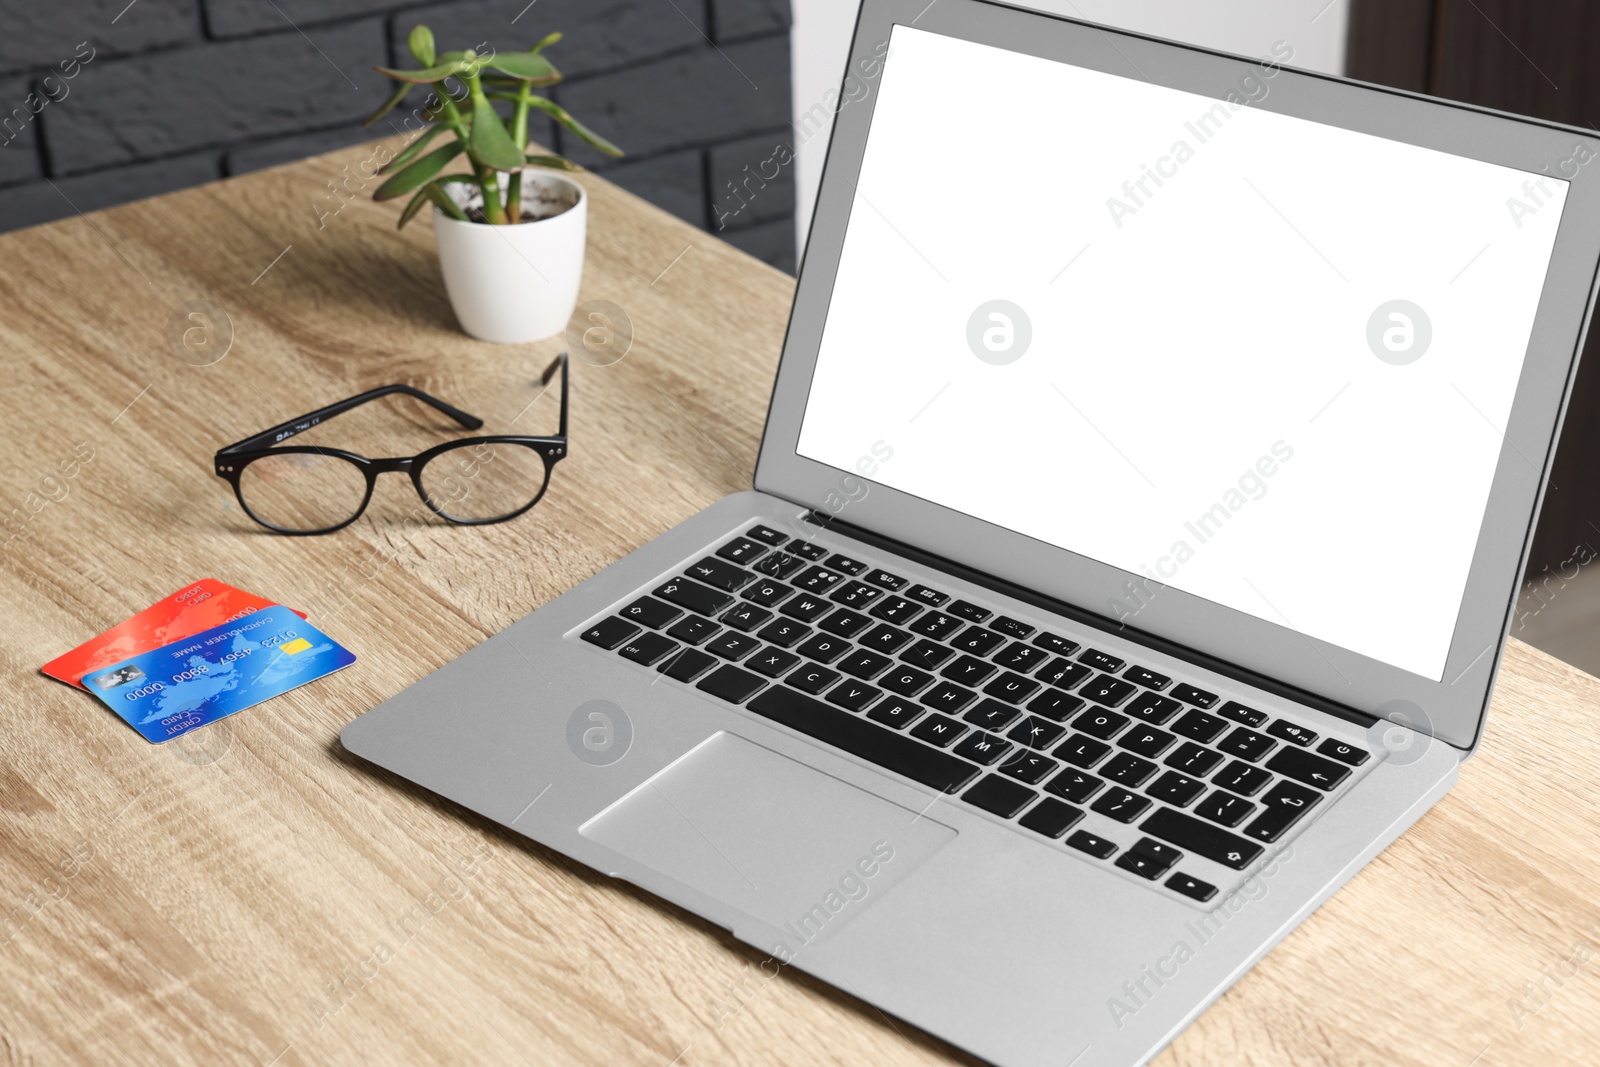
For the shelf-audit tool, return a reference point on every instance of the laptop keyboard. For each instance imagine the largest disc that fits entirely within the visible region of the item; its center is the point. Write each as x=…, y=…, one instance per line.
x=1025, y=724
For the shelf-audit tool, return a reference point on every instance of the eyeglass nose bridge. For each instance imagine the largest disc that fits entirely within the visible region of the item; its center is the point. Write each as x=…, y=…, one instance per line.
x=384, y=466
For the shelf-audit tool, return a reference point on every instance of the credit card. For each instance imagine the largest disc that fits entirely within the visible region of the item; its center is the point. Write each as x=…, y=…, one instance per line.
x=212, y=674
x=197, y=607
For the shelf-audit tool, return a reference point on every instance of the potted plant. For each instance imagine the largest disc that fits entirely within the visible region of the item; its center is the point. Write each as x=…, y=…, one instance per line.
x=510, y=233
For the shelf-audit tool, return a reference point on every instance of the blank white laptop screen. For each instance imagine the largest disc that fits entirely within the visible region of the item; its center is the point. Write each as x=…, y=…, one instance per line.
x=1258, y=359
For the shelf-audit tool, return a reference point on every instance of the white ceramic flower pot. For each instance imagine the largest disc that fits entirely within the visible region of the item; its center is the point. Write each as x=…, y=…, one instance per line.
x=518, y=283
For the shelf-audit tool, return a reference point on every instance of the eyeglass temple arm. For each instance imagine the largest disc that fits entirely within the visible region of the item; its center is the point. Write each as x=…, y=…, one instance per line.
x=544, y=379
x=286, y=430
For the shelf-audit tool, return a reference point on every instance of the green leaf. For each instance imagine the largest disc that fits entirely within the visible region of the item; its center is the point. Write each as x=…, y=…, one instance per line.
x=389, y=105
x=412, y=150
x=421, y=43
x=412, y=208
x=491, y=145
x=423, y=170
x=425, y=77
x=546, y=42
x=559, y=113
x=448, y=206
x=553, y=162
x=526, y=67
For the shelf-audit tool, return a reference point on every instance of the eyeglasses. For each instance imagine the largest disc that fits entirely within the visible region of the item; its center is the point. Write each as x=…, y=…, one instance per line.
x=302, y=489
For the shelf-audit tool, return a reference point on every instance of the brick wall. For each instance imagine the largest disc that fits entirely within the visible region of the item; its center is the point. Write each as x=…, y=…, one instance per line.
x=103, y=101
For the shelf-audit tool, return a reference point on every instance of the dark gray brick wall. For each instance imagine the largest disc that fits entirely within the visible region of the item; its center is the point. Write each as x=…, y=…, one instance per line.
x=162, y=94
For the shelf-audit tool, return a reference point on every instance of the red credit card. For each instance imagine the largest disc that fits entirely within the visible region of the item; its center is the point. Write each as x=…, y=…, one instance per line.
x=190, y=610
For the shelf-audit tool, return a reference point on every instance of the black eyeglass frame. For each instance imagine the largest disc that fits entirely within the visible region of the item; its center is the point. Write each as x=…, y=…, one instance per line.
x=231, y=460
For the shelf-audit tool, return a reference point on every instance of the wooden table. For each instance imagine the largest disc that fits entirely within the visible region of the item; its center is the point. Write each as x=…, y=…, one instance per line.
x=253, y=895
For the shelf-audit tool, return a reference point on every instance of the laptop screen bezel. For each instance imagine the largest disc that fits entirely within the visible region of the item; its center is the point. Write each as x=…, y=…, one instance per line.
x=1451, y=709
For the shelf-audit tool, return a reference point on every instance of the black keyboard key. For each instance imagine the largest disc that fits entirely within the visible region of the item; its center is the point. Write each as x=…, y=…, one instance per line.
x=778, y=565
x=983, y=748
x=1201, y=837
x=978, y=641
x=894, y=712
x=1239, y=713
x=730, y=645
x=771, y=662
x=1011, y=627
x=927, y=654
x=812, y=678
x=1176, y=789
x=742, y=550
x=1242, y=778
x=745, y=617
x=688, y=665
x=1293, y=733
x=1029, y=767
x=1200, y=726
x=609, y=633
x=884, y=578
x=967, y=670
x=1191, y=887
x=1098, y=847
x=692, y=629
x=930, y=597
x=767, y=535
x=1051, y=818
x=1193, y=759
x=886, y=748
x=1146, y=741
x=1055, y=643
x=854, y=595
x=969, y=611
x=720, y=574
x=1127, y=769
x=1149, y=859
x=853, y=695
x=1107, y=690
x=1224, y=808
x=1146, y=677
x=992, y=715
x=805, y=549
x=1191, y=694
x=1101, y=723
x=1121, y=805
x=1081, y=750
x=938, y=729
x=844, y=622
x=936, y=624
x=863, y=664
x=1342, y=752
x=1063, y=674
x=1011, y=687
x=946, y=696
x=1074, y=785
x=784, y=632
x=824, y=648
x=647, y=648
x=768, y=592
x=884, y=638
x=1054, y=704
x=1281, y=808
x=1020, y=657
x=907, y=681
x=845, y=563
x=999, y=796
x=648, y=611
x=700, y=599
x=895, y=609
x=731, y=683
x=1247, y=744
x=1100, y=661
x=1307, y=769
x=1036, y=733
x=1153, y=707
x=817, y=580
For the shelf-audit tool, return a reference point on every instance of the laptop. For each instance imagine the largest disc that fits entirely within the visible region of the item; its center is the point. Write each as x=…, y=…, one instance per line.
x=1152, y=461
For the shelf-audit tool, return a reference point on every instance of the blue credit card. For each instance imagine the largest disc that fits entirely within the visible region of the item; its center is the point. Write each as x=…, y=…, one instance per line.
x=213, y=674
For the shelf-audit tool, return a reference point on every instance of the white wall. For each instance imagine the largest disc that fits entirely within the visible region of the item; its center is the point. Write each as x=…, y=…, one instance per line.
x=1316, y=29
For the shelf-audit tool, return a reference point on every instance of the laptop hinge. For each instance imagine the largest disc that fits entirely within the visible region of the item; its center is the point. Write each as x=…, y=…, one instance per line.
x=1091, y=619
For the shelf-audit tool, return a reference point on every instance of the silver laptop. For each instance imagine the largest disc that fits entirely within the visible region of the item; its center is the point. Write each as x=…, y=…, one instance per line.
x=1148, y=476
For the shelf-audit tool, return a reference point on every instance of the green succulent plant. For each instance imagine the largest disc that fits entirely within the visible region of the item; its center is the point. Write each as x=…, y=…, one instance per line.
x=493, y=145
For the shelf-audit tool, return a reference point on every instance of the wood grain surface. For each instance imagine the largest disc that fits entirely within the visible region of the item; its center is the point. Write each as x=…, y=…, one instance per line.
x=253, y=895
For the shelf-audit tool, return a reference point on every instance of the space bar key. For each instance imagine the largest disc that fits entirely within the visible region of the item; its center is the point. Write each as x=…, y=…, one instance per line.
x=859, y=737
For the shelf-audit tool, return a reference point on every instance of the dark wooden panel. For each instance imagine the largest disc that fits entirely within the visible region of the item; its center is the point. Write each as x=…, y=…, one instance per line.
x=1391, y=42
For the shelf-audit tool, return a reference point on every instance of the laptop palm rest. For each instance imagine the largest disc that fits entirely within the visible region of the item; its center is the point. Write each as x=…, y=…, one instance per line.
x=785, y=843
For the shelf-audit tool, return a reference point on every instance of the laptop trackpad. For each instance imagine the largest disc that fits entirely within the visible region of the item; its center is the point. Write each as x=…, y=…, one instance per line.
x=781, y=841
